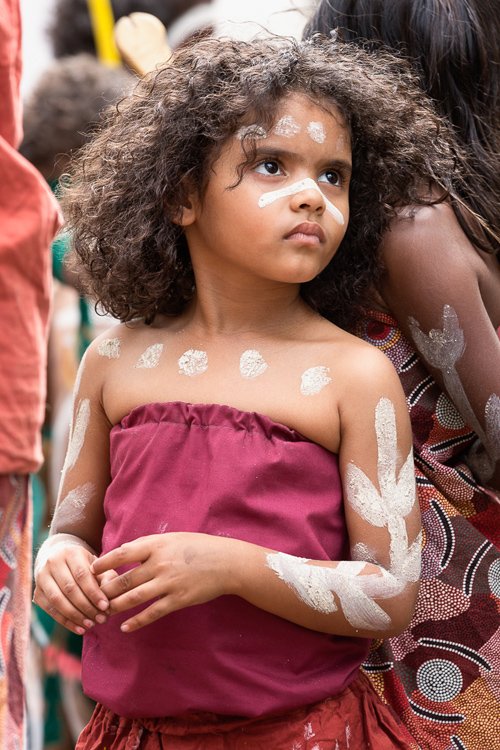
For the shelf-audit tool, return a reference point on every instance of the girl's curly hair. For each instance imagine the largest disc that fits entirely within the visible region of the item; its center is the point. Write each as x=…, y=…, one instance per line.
x=161, y=142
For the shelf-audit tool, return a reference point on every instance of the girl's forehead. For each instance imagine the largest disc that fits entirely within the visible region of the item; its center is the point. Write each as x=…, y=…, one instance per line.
x=296, y=113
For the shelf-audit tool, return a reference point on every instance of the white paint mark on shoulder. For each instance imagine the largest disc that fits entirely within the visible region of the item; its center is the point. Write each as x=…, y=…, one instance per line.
x=193, y=362
x=316, y=132
x=109, y=348
x=150, y=357
x=314, y=380
x=252, y=364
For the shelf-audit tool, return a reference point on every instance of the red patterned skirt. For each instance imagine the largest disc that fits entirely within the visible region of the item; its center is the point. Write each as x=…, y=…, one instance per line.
x=355, y=719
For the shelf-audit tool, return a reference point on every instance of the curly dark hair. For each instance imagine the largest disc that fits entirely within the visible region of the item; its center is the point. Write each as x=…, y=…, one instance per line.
x=70, y=28
x=455, y=50
x=162, y=140
x=64, y=107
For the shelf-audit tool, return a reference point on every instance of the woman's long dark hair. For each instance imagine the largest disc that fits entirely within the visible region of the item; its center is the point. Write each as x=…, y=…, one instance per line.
x=454, y=45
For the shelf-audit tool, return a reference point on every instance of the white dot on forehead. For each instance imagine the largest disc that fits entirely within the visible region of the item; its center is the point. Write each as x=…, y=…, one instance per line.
x=251, y=131
x=316, y=132
x=287, y=126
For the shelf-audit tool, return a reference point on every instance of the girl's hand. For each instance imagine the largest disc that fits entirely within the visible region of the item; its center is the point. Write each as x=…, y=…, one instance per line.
x=65, y=587
x=177, y=570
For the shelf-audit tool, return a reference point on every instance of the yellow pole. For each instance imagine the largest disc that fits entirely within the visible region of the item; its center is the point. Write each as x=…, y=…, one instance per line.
x=101, y=18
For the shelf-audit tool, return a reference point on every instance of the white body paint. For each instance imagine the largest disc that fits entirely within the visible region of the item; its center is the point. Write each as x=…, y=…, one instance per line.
x=442, y=349
x=55, y=542
x=395, y=500
x=314, y=380
x=252, y=364
x=287, y=126
x=71, y=508
x=316, y=132
x=193, y=362
x=109, y=348
x=77, y=434
x=251, y=131
x=316, y=584
x=150, y=357
x=307, y=184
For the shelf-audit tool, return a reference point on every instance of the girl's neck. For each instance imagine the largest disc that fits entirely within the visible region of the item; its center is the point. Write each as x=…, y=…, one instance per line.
x=236, y=312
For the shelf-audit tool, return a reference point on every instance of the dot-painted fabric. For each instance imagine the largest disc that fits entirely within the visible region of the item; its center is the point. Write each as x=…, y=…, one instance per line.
x=442, y=675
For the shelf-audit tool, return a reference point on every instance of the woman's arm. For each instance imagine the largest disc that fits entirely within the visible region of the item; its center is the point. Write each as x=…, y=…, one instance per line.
x=372, y=595
x=446, y=297
x=65, y=586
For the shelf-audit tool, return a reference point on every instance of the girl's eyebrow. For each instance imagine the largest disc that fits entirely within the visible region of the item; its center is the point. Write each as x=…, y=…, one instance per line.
x=281, y=153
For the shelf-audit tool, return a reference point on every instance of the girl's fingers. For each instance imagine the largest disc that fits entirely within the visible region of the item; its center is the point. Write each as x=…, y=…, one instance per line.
x=158, y=609
x=131, y=552
x=45, y=605
x=62, y=585
x=60, y=609
x=88, y=584
x=138, y=595
x=126, y=582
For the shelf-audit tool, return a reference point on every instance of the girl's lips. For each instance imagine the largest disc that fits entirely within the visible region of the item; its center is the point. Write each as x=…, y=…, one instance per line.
x=308, y=232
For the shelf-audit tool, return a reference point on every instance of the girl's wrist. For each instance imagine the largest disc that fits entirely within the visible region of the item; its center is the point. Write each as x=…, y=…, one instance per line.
x=58, y=540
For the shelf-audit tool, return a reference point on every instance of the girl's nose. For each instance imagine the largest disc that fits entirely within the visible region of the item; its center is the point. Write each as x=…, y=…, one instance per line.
x=309, y=198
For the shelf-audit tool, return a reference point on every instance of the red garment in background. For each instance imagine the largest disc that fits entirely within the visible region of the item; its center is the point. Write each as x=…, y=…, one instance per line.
x=29, y=218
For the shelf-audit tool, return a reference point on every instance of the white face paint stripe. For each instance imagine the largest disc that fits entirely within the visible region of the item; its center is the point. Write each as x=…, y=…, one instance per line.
x=307, y=184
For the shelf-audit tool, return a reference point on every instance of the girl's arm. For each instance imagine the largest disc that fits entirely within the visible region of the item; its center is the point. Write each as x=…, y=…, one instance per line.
x=444, y=295
x=373, y=595
x=65, y=586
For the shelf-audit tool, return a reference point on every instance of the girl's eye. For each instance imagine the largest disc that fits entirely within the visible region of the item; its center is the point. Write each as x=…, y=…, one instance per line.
x=331, y=177
x=268, y=167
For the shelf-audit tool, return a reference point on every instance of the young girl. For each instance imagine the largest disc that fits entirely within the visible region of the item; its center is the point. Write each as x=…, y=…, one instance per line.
x=237, y=514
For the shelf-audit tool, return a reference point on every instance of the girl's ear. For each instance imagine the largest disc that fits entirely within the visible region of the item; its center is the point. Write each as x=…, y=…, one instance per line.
x=185, y=215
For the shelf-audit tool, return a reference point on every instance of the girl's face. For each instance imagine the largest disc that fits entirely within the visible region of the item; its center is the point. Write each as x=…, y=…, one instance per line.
x=285, y=219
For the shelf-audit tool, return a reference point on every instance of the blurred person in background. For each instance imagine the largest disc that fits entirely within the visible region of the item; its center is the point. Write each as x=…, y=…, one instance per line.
x=29, y=218
x=435, y=313
x=59, y=117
